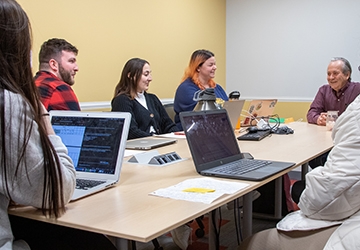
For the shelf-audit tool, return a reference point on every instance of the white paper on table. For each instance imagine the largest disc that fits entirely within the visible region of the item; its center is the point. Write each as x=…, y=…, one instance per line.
x=173, y=135
x=221, y=187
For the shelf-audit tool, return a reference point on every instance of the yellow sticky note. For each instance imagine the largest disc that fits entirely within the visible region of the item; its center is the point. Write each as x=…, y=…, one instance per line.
x=288, y=120
x=199, y=190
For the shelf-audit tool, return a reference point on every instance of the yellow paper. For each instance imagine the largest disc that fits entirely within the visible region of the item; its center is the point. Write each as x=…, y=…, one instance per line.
x=199, y=190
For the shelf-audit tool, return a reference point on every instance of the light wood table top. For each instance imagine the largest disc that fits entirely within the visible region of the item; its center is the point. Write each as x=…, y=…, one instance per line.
x=128, y=211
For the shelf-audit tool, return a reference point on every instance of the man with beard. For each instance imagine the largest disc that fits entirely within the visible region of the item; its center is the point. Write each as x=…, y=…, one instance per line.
x=57, y=69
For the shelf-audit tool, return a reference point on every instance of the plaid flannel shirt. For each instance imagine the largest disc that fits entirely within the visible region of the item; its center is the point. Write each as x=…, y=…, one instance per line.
x=55, y=94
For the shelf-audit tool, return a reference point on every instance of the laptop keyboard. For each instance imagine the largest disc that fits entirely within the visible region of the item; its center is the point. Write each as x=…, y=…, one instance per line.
x=87, y=184
x=242, y=166
x=257, y=136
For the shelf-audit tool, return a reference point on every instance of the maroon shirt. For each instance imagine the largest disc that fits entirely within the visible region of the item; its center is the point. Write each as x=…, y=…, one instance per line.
x=328, y=99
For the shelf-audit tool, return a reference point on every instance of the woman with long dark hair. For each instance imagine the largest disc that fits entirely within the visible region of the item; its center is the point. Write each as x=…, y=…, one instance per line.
x=148, y=115
x=35, y=167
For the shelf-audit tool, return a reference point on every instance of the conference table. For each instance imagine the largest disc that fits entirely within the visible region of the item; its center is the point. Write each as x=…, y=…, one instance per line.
x=127, y=211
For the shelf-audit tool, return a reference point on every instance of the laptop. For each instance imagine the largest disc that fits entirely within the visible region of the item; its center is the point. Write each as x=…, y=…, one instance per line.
x=234, y=108
x=215, y=150
x=96, y=144
x=259, y=108
x=148, y=143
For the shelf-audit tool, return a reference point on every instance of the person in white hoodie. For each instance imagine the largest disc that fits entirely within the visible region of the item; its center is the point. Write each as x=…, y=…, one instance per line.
x=329, y=215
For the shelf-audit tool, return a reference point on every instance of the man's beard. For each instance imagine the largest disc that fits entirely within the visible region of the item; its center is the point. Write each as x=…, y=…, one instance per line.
x=65, y=75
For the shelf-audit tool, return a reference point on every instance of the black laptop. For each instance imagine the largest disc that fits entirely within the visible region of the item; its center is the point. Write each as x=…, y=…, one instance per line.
x=215, y=150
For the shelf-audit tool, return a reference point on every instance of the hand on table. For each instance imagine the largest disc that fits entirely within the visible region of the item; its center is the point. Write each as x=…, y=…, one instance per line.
x=321, y=119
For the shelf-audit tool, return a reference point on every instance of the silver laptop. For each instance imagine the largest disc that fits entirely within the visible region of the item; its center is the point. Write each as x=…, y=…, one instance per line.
x=148, y=143
x=215, y=150
x=234, y=108
x=96, y=144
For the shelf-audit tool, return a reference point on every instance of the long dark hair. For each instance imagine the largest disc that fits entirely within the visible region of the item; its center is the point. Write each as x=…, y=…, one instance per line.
x=130, y=76
x=16, y=76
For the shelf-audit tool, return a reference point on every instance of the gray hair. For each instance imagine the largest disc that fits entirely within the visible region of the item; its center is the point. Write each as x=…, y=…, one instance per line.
x=346, y=65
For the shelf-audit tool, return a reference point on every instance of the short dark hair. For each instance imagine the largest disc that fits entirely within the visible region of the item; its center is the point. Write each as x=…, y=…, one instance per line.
x=52, y=49
x=346, y=65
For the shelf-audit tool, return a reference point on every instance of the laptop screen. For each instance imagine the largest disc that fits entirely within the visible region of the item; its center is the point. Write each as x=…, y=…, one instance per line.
x=210, y=136
x=92, y=142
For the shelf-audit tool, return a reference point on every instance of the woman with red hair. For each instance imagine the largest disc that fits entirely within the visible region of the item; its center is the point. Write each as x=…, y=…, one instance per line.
x=198, y=76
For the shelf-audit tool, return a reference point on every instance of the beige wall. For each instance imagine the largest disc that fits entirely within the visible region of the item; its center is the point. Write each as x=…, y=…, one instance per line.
x=109, y=32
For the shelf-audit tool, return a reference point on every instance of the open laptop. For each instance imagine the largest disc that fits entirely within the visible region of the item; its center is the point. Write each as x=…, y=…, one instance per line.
x=259, y=108
x=234, y=108
x=96, y=144
x=148, y=143
x=215, y=150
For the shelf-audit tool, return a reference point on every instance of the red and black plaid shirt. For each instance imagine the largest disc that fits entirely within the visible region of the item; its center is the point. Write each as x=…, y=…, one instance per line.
x=55, y=94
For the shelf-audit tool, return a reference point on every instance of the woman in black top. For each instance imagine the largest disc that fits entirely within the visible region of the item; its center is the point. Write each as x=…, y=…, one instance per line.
x=148, y=116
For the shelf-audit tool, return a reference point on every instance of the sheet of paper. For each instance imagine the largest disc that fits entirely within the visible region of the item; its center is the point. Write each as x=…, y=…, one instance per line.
x=176, y=135
x=221, y=187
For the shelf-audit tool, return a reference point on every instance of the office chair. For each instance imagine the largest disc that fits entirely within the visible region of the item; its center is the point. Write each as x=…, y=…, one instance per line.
x=169, y=107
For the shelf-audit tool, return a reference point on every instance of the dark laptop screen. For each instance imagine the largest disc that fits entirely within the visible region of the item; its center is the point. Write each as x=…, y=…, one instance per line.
x=210, y=136
x=92, y=142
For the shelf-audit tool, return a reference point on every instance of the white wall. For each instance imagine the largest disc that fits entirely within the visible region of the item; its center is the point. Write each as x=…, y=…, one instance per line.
x=281, y=48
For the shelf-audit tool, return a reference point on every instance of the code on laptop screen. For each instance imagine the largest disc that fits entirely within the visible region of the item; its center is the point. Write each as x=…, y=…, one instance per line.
x=92, y=142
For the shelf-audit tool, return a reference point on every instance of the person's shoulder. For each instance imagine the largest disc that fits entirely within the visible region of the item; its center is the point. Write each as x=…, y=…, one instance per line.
x=355, y=84
x=12, y=96
x=188, y=84
x=325, y=88
x=14, y=102
x=147, y=94
x=121, y=98
x=218, y=86
x=44, y=78
x=188, y=81
x=152, y=97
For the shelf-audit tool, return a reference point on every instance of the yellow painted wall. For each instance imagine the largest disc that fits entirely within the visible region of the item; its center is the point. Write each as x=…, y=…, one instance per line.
x=296, y=110
x=109, y=32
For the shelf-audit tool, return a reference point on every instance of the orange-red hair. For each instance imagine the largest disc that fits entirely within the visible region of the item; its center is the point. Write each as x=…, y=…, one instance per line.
x=197, y=59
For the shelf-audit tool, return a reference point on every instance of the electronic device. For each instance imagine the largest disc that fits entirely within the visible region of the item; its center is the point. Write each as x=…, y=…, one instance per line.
x=148, y=143
x=215, y=150
x=234, y=108
x=234, y=95
x=252, y=129
x=255, y=135
x=96, y=144
x=259, y=109
x=282, y=130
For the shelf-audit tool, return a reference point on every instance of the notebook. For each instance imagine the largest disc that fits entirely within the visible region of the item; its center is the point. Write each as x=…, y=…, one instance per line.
x=234, y=108
x=259, y=108
x=96, y=144
x=215, y=150
x=148, y=143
